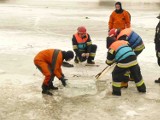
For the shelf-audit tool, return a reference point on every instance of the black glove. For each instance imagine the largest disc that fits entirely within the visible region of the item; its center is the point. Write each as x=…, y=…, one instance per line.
x=63, y=81
x=108, y=63
x=63, y=75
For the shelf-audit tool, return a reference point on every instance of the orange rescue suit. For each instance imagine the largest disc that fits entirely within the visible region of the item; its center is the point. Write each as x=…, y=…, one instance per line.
x=44, y=59
x=119, y=20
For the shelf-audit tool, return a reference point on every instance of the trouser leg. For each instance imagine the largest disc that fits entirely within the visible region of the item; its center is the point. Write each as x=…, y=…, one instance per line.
x=118, y=77
x=93, y=52
x=45, y=70
x=158, y=57
x=126, y=78
x=137, y=76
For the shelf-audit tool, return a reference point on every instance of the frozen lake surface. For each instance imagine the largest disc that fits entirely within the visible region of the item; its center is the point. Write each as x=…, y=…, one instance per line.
x=28, y=26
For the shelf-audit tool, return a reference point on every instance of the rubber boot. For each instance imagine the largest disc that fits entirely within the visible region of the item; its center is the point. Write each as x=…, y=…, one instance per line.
x=51, y=87
x=90, y=61
x=66, y=64
x=45, y=90
x=116, y=91
x=157, y=81
x=142, y=88
x=76, y=60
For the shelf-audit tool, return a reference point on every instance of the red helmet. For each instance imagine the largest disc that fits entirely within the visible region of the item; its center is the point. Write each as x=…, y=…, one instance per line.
x=114, y=32
x=81, y=29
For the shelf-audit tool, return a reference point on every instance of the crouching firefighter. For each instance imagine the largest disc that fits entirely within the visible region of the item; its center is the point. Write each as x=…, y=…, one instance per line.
x=49, y=63
x=83, y=47
x=125, y=58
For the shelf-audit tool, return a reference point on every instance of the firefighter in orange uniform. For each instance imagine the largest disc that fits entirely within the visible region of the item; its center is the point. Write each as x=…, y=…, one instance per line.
x=119, y=18
x=125, y=58
x=83, y=47
x=49, y=63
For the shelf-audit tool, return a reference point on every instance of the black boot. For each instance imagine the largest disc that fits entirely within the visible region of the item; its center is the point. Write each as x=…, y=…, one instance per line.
x=142, y=88
x=66, y=64
x=117, y=93
x=51, y=87
x=45, y=90
x=90, y=61
x=157, y=81
x=76, y=60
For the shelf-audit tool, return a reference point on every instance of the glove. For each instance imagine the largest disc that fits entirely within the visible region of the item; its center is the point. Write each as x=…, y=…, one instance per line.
x=63, y=81
x=108, y=63
x=63, y=75
x=87, y=55
x=83, y=55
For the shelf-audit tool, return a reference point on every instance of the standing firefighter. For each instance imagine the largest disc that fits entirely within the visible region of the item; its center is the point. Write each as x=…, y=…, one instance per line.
x=125, y=58
x=157, y=45
x=83, y=47
x=135, y=41
x=49, y=63
x=119, y=18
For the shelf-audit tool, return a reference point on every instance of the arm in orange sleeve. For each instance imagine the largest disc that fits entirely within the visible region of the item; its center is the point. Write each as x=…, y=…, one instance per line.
x=110, y=23
x=128, y=19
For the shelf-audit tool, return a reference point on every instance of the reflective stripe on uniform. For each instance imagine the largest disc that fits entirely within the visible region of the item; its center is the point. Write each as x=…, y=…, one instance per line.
x=139, y=48
x=92, y=54
x=127, y=73
x=75, y=47
x=126, y=65
x=116, y=84
x=139, y=83
x=89, y=43
x=109, y=61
